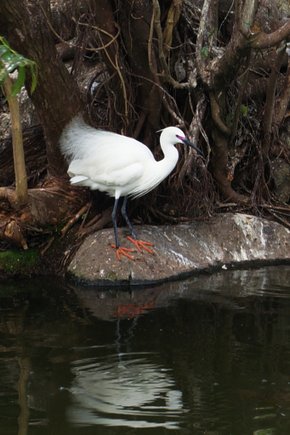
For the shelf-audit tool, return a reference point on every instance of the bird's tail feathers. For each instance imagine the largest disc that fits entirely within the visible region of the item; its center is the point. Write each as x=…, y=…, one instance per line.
x=73, y=138
x=78, y=179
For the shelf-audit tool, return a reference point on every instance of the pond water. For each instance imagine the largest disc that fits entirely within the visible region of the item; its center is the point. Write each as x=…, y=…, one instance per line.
x=208, y=355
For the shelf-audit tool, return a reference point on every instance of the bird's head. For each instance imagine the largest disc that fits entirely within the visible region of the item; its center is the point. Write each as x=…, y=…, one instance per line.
x=174, y=135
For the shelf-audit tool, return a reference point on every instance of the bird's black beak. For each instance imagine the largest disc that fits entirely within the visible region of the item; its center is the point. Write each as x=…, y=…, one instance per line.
x=192, y=145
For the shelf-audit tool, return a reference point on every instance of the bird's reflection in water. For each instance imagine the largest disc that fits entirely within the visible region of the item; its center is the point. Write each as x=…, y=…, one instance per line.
x=124, y=389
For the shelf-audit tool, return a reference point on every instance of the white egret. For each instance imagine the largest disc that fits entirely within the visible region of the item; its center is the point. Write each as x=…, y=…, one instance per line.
x=118, y=165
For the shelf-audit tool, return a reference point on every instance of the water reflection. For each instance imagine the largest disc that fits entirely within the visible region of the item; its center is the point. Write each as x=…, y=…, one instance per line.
x=227, y=288
x=124, y=390
x=207, y=355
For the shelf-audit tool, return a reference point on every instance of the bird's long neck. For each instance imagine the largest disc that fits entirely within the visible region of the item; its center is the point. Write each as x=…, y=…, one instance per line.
x=168, y=163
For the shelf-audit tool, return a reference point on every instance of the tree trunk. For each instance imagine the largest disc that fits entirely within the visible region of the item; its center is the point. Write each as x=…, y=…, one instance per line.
x=56, y=98
x=136, y=23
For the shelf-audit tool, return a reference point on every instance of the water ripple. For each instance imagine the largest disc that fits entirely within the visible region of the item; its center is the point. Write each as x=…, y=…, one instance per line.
x=124, y=390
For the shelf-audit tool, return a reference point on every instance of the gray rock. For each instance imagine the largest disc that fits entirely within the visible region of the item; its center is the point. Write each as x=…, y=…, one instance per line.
x=179, y=250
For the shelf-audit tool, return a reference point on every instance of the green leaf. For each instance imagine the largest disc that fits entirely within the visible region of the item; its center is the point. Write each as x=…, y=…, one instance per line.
x=33, y=71
x=244, y=110
x=3, y=73
x=3, y=50
x=204, y=52
x=10, y=61
x=19, y=82
x=8, y=58
x=4, y=43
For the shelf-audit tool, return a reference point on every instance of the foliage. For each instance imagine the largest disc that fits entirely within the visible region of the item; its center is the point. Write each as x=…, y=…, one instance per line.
x=10, y=61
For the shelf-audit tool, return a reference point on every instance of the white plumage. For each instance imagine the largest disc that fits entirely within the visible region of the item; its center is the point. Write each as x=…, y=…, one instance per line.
x=116, y=164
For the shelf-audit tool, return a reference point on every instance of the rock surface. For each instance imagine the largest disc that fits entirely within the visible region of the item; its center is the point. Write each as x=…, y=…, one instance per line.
x=180, y=250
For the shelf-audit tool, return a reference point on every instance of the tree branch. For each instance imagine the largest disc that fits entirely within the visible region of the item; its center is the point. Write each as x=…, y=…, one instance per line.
x=283, y=101
x=216, y=115
x=171, y=21
x=219, y=71
x=204, y=41
x=166, y=75
x=266, y=40
x=270, y=100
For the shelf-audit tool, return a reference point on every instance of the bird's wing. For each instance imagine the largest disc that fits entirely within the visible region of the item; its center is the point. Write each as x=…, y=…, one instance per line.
x=116, y=174
x=124, y=176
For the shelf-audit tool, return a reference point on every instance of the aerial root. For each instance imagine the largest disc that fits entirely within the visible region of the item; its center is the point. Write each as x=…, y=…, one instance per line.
x=75, y=218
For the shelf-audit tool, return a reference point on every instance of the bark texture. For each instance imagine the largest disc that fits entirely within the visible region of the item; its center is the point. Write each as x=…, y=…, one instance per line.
x=56, y=97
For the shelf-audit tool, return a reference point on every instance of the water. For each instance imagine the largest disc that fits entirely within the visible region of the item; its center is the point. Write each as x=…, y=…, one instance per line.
x=209, y=355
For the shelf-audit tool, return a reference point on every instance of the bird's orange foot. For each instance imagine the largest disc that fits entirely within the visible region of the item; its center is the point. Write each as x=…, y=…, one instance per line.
x=123, y=251
x=141, y=245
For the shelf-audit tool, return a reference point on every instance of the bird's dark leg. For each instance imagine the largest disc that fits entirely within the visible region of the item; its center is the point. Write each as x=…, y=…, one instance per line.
x=141, y=245
x=114, y=219
x=125, y=216
x=119, y=249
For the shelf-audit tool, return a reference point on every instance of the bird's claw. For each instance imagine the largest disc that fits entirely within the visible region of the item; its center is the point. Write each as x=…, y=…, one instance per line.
x=141, y=245
x=121, y=250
